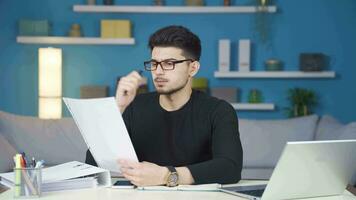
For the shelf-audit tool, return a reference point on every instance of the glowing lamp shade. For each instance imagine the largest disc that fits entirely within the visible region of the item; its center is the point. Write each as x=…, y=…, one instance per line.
x=50, y=83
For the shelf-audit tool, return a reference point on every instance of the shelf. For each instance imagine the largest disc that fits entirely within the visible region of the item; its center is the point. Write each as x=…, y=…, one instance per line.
x=281, y=74
x=173, y=9
x=74, y=40
x=253, y=106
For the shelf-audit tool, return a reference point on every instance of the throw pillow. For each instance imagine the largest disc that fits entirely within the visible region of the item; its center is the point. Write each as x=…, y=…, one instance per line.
x=331, y=129
x=7, y=151
x=263, y=140
x=55, y=141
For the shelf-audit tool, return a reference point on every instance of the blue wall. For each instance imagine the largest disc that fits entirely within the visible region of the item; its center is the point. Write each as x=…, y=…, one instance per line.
x=326, y=26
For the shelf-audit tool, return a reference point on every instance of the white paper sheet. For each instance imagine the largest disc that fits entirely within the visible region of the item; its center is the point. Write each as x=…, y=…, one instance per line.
x=103, y=129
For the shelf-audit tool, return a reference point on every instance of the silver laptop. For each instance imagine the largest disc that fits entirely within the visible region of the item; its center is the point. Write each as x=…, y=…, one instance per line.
x=306, y=169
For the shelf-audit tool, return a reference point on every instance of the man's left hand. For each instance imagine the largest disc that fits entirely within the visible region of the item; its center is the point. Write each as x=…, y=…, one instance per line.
x=143, y=173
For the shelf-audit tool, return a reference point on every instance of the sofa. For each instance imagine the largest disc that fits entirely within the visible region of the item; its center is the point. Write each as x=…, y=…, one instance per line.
x=263, y=140
x=58, y=141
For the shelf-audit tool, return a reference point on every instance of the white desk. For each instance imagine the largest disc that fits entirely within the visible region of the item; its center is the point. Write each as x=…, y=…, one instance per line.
x=131, y=194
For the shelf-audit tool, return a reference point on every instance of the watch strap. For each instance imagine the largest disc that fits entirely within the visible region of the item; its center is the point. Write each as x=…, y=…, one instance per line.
x=171, y=169
x=172, y=178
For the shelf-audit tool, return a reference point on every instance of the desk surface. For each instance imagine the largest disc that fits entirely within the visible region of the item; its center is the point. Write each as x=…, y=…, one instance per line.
x=108, y=194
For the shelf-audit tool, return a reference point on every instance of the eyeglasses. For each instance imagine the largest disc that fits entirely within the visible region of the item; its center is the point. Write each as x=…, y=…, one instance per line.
x=165, y=64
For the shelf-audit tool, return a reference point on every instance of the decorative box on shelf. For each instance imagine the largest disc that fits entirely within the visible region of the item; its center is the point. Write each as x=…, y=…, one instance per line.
x=34, y=27
x=115, y=28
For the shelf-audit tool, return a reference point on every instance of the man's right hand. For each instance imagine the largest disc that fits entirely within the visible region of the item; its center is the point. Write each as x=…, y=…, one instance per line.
x=126, y=89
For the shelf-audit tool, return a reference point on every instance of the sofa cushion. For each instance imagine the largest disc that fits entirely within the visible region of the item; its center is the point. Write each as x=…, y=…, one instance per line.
x=256, y=173
x=7, y=151
x=331, y=129
x=55, y=141
x=263, y=140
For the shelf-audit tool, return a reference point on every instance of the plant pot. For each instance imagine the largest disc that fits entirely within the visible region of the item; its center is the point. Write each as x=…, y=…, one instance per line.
x=75, y=31
x=158, y=2
x=300, y=110
x=194, y=2
x=273, y=65
x=255, y=96
x=108, y=2
x=91, y=2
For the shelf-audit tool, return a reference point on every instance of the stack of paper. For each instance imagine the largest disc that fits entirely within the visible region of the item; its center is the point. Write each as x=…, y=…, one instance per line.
x=71, y=175
x=78, y=183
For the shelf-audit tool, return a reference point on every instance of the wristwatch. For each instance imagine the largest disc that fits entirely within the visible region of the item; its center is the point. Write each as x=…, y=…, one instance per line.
x=172, y=178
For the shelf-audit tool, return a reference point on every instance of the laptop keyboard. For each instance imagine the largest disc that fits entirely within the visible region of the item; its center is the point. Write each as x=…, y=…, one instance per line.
x=255, y=193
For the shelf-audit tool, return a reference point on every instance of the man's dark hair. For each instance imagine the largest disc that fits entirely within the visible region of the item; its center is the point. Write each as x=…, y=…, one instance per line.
x=179, y=37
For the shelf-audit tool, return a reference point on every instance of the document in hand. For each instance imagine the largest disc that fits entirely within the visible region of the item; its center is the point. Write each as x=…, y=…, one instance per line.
x=103, y=129
x=71, y=175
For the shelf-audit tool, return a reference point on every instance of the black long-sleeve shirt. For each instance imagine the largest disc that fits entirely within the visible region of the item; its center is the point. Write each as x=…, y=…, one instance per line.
x=202, y=135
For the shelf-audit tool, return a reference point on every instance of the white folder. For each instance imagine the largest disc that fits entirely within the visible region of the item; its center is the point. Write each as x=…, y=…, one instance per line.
x=70, y=175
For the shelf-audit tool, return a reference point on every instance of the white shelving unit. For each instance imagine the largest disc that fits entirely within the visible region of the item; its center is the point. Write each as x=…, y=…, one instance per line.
x=173, y=9
x=281, y=74
x=74, y=40
x=254, y=106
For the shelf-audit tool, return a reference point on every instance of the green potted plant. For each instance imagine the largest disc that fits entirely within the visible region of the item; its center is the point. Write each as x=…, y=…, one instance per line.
x=302, y=102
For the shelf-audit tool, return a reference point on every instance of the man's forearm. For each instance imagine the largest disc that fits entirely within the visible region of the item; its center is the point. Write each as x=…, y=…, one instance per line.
x=185, y=177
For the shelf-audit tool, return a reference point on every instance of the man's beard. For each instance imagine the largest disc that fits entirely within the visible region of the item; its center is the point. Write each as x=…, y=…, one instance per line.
x=173, y=90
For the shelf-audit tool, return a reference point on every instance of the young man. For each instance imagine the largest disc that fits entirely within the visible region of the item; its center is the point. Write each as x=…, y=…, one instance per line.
x=181, y=136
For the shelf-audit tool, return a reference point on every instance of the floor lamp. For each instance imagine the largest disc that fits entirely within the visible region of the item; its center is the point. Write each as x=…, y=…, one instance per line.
x=50, y=83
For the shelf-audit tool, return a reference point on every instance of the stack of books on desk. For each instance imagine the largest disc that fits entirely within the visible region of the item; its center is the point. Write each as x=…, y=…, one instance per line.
x=71, y=175
x=78, y=183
